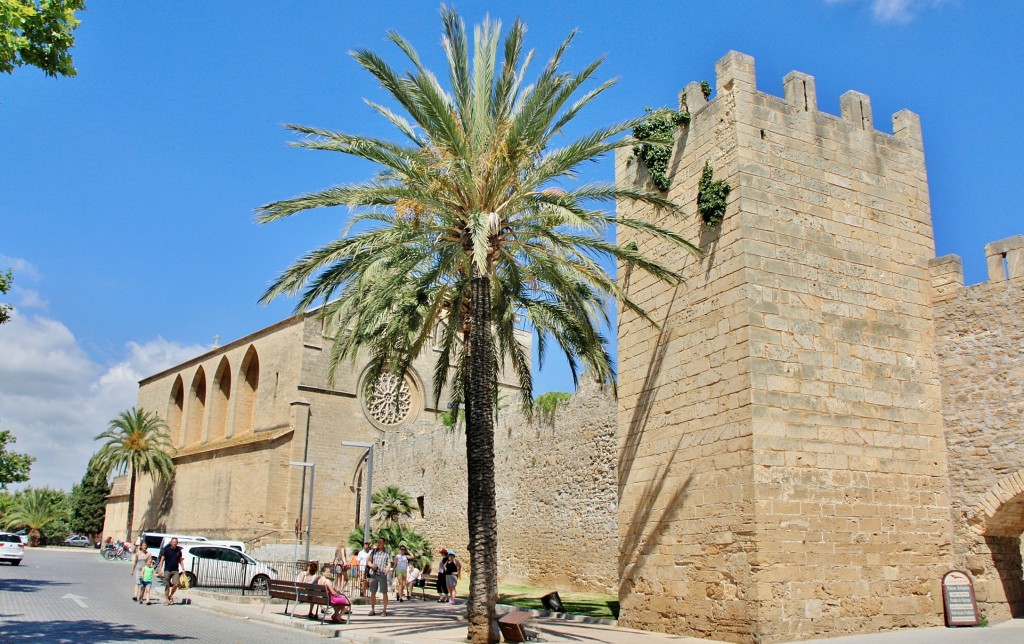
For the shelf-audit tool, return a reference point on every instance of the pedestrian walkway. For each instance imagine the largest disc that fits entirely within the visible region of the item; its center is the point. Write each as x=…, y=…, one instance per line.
x=426, y=622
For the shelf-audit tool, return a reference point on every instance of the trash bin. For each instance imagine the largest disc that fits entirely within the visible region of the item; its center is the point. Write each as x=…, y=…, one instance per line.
x=552, y=602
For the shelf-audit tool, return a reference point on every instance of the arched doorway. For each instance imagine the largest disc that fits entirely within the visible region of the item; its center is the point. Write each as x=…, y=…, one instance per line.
x=996, y=559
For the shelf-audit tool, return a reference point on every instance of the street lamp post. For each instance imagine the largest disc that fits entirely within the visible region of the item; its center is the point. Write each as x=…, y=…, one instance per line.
x=369, y=483
x=309, y=511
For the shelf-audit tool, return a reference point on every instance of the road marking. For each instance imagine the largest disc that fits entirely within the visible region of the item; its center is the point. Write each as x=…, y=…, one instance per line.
x=77, y=599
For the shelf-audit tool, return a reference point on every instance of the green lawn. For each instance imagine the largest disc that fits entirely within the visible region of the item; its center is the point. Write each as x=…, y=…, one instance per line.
x=589, y=604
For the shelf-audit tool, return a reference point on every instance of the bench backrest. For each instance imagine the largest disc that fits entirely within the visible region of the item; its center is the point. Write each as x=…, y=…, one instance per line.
x=297, y=591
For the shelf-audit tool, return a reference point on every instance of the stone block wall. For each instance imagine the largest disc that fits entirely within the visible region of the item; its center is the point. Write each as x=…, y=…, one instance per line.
x=980, y=331
x=786, y=416
x=555, y=484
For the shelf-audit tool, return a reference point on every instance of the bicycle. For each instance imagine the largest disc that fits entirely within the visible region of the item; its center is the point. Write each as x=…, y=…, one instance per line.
x=119, y=550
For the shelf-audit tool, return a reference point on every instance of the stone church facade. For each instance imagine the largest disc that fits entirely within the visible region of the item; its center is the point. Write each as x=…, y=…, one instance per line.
x=825, y=420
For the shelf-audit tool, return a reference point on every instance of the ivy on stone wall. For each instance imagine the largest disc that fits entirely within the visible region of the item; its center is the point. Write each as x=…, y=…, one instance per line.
x=711, y=196
x=655, y=134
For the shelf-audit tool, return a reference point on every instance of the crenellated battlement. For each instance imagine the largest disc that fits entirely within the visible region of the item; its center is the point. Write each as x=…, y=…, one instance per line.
x=1005, y=260
x=735, y=75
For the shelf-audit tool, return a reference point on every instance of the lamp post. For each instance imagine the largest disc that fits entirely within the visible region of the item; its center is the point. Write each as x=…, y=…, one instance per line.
x=309, y=511
x=369, y=483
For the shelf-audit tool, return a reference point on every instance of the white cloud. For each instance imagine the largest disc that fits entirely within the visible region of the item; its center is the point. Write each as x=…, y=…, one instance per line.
x=896, y=10
x=30, y=299
x=56, y=399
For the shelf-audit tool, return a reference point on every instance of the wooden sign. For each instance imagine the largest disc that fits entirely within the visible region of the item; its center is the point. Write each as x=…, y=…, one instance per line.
x=958, y=599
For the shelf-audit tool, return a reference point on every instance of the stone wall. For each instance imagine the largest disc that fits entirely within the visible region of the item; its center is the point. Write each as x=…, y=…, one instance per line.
x=555, y=484
x=783, y=468
x=980, y=329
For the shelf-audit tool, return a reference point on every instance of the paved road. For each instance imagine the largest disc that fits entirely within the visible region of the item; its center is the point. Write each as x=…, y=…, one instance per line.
x=75, y=596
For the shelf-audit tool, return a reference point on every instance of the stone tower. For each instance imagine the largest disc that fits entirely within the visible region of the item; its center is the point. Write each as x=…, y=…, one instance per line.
x=782, y=469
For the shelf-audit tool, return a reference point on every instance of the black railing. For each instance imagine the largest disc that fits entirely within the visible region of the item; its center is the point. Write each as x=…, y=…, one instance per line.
x=214, y=573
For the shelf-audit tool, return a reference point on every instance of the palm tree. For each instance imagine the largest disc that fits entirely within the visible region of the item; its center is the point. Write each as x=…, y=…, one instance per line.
x=35, y=510
x=391, y=505
x=471, y=225
x=136, y=441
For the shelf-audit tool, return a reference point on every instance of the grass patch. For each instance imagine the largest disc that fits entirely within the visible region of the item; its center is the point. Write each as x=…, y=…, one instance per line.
x=577, y=603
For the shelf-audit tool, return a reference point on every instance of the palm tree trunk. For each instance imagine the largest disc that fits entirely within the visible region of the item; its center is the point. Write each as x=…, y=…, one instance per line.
x=482, y=511
x=131, y=507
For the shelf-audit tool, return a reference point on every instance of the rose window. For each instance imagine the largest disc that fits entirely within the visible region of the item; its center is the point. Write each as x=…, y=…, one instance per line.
x=389, y=400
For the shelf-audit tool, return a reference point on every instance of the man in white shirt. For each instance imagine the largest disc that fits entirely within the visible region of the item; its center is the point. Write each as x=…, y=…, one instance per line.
x=363, y=558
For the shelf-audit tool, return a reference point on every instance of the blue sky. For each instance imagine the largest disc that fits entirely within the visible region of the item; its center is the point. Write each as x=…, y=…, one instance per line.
x=128, y=191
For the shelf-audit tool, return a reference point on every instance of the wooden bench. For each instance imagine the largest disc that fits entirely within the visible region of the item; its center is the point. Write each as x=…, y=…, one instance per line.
x=430, y=581
x=293, y=591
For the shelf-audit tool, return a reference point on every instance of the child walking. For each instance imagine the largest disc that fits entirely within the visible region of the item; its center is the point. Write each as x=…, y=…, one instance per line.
x=146, y=581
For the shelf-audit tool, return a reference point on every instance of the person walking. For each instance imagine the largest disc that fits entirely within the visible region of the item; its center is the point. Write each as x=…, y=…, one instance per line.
x=401, y=572
x=442, y=582
x=167, y=566
x=363, y=557
x=146, y=582
x=378, y=567
x=340, y=565
x=452, y=572
x=139, y=558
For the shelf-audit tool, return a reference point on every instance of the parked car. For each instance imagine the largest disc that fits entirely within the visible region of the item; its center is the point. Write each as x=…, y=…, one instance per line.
x=222, y=566
x=11, y=548
x=156, y=540
x=77, y=540
x=237, y=545
x=23, y=535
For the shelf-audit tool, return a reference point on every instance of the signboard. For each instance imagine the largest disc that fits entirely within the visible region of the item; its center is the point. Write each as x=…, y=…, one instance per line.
x=958, y=599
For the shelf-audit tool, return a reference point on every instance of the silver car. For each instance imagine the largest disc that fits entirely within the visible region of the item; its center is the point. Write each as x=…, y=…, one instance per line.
x=11, y=548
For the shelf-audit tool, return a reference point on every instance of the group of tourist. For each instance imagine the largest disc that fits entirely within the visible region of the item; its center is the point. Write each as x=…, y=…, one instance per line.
x=166, y=566
x=375, y=571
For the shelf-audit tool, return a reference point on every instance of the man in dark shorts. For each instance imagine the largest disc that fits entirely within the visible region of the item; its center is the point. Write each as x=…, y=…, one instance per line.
x=168, y=564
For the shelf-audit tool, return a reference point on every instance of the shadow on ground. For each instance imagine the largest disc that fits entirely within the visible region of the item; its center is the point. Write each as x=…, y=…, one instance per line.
x=85, y=630
x=20, y=585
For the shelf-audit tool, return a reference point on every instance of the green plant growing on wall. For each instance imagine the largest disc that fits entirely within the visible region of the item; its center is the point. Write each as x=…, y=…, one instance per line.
x=711, y=196
x=547, y=404
x=655, y=135
x=705, y=89
x=451, y=418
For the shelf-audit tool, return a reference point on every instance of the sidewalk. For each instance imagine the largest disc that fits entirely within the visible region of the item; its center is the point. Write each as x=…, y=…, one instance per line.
x=423, y=622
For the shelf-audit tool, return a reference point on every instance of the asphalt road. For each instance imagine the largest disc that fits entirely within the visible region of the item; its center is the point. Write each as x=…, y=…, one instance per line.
x=59, y=595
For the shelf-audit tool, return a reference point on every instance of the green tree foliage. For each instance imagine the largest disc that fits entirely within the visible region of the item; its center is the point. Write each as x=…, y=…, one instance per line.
x=136, y=443
x=420, y=548
x=89, y=502
x=391, y=506
x=41, y=511
x=14, y=467
x=40, y=33
x=5, y=285
x=474, y=222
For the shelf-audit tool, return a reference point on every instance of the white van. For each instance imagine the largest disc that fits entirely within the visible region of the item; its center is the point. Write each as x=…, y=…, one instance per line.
x=211, y=565
x=237, y=545
x=157, y=540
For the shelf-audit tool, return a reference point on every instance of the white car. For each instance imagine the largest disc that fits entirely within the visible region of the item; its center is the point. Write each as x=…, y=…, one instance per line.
x=213, y=565
x=11, y=548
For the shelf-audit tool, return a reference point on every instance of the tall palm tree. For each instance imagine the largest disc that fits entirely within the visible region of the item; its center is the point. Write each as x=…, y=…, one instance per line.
x=472, y=224
x=391, y=505
x=136, y=442
x=36, y=510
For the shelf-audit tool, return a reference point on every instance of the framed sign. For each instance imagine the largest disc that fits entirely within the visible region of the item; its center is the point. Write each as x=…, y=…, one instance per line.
x=958, y=599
